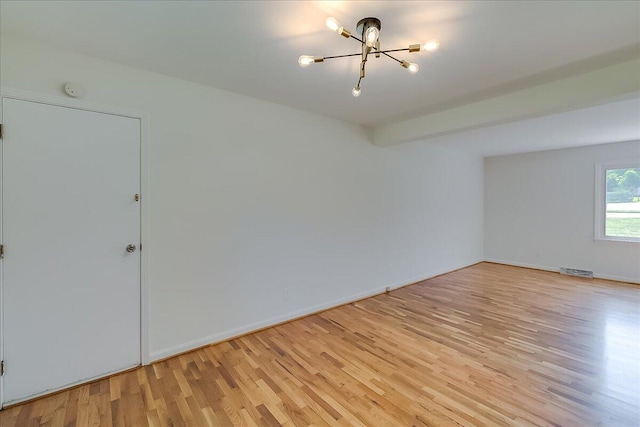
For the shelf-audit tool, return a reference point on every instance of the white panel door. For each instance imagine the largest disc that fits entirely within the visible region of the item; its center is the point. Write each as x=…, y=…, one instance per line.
x=71, y=290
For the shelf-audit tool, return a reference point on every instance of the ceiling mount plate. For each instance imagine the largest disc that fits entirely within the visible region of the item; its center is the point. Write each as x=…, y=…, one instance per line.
x=365, y=23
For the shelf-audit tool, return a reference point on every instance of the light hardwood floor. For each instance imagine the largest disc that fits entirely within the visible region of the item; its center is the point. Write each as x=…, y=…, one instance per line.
x=489, y=345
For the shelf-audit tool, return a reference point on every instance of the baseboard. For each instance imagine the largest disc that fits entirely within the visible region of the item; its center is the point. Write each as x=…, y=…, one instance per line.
x=277, y=320
x=253, y=327
x=433, y=274
x=557, y=270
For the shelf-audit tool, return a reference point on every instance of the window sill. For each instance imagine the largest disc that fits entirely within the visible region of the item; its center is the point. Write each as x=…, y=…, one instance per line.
x=617, y=239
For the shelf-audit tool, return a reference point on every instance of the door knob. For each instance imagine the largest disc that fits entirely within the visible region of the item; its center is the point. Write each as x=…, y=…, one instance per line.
x=131, y=248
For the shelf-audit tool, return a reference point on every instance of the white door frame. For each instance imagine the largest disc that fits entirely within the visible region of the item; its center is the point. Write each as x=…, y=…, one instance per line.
x=60, y=101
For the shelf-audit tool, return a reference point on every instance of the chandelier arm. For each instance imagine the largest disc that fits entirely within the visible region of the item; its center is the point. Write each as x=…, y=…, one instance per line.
x=342, y=56
x=393, y=50
x=384, y=52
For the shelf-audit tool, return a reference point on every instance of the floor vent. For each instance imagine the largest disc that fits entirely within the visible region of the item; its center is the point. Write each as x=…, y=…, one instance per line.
x=576, y=272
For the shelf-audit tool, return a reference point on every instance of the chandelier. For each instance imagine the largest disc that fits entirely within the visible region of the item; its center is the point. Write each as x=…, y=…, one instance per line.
x=369, y=29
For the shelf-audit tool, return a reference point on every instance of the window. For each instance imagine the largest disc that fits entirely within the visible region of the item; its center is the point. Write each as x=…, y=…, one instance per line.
x=618, y=201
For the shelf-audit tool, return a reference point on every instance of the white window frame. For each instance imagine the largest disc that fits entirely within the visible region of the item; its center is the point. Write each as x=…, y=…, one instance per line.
x=600, y=216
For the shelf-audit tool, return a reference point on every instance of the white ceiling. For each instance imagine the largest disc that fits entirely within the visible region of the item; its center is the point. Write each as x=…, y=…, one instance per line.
x=252, y=47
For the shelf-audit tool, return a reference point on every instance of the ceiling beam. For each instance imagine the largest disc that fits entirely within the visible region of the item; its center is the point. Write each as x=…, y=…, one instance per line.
x=596, y=87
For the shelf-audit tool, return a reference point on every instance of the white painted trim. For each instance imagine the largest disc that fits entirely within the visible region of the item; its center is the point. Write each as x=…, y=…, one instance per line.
x=242, y=330
x=557, y=270
x=432, y=274
x=145, y=247
x=617, y=239
x=6, y=92
x=1, y=261
x=599, y=217
x=223, y=336
x=25, y=95
x=599, y=204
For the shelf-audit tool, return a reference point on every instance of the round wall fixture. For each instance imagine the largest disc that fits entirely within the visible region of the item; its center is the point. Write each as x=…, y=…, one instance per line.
x=74, y=90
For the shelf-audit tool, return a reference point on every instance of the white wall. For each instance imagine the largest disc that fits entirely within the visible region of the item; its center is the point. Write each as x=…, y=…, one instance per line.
x=260, y=212
x=539, y=211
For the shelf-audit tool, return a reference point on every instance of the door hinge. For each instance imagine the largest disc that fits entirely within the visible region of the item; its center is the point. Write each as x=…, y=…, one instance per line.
x=0, y=130
x=2, y=368
x=1, y=251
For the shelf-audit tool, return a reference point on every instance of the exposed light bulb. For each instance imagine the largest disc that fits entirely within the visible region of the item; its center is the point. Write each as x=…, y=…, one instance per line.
x=412, y=67
x=356, y=91
x=371, y=36
x=431, y=45
x=333, y=24
x=306, y=60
